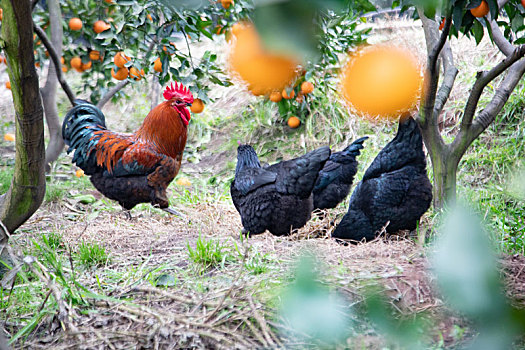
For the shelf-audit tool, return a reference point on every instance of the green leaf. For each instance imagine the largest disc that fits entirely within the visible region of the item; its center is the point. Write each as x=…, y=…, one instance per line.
x=478, y=31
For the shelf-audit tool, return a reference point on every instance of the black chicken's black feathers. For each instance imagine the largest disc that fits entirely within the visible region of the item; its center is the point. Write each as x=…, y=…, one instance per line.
x=277, y=198
x=395, y=189
x=337, y=175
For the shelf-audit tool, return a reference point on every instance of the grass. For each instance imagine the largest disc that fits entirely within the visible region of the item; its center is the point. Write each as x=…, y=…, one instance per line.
x=92, y=254
x=209, y=253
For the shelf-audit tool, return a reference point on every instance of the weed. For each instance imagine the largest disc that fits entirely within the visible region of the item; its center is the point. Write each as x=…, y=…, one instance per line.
x=92, y=254
x=52, y=240
x=55, y=192
x=5, y=179
x=208, y=252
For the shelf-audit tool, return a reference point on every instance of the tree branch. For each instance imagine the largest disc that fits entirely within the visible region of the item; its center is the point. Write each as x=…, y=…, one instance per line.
x=56, y=60
x=111, y=93
x=499, y=39
x=481, y=82
x=434, y=49
x=487, y=116
x=449, y=77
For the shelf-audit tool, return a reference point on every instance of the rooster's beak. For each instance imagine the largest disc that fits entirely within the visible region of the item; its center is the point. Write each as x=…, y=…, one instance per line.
x=188, y=104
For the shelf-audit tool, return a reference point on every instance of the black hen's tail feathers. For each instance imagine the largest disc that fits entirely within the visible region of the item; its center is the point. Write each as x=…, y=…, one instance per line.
x=355, y=147
x=78, y=129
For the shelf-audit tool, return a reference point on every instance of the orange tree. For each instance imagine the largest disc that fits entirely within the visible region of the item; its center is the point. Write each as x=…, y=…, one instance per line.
x=141, y=30
x=502, y=20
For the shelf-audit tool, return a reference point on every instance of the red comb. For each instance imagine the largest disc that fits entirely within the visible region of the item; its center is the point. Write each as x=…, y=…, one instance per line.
x=177, y=89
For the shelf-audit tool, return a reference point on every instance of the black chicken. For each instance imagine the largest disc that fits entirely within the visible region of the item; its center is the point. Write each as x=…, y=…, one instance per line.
x=395, y=189
x=337, y=175
x=277, y=198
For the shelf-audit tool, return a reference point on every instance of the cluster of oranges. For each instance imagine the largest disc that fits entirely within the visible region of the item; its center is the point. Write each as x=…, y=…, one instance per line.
x=99, y=26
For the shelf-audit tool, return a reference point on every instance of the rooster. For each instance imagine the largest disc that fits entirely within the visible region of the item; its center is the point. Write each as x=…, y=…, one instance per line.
x=131, y=168
x=337, y=175
x=395, y=190
x=278, y=197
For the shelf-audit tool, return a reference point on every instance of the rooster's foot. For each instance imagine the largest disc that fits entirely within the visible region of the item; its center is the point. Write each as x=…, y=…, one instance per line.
x=174, y=212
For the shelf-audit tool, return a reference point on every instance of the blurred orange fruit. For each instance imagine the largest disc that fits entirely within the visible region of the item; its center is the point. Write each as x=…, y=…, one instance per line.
x=79, y=173
x=237, y=28
x=86, y=66
x=307, y=87
x=62, y=60
x=76, y=62
x=109, y=1
x=8, y=85
x=121, y=74
x=100, y=26
x=120, y=59
x=294, y=122
x=1, y=14
x=64, y=69
x=381, y=80
x=256, y=66
x=197, y=106
x=276, y=96
x=37, y=64
x=182, y=181
x=135, y=73
x=157, y=65
x=226, y=3
x=9, y=137
x=481, y=11
x=94, y=55
x=286, y=96
x=75, y=23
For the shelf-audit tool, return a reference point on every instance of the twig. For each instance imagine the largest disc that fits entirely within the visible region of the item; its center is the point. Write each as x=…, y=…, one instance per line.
x=262, y=322
x=112, y=93
x=56, y=60
x=188, y=45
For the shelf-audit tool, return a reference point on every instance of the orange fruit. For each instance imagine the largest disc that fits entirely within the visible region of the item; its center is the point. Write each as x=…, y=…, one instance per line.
x=79, y=173
x=8, y=85
x=481, y=11
x=9, y=137
x=86, y=66
x=75, y=23
x=5, y=60
x=94, y=55
x=157, y=65
x=120, y=60
x=64, y=69
x=149, y=17
x=381, y=80
x=38, y=42
x=62, y=60
x=237, y=28
x=307, y=87
x=121, y=74
x=256, y=66
x=100, y=26
x=218, y=30
x=442, y=25
x=226, y=3
x=135, y=73
x=276, y=96
x=1, y=14
x=523, y=3
x=197, y=106
x=37, y=64
x=286, y=96
x=183, y=181
x=257, y=90
x=294, y=122
x=109, y=1
x=76, y=62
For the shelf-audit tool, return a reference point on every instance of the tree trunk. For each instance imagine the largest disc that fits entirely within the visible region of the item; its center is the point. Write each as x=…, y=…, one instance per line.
x=444, y=168
x=49, y=91
x=28, y=184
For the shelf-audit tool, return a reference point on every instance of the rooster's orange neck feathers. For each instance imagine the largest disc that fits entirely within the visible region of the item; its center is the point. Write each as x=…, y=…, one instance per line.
x=163, y=128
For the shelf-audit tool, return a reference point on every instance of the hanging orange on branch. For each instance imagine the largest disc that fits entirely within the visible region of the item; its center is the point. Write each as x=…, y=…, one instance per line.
x=263, y=71
x=381, y=81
